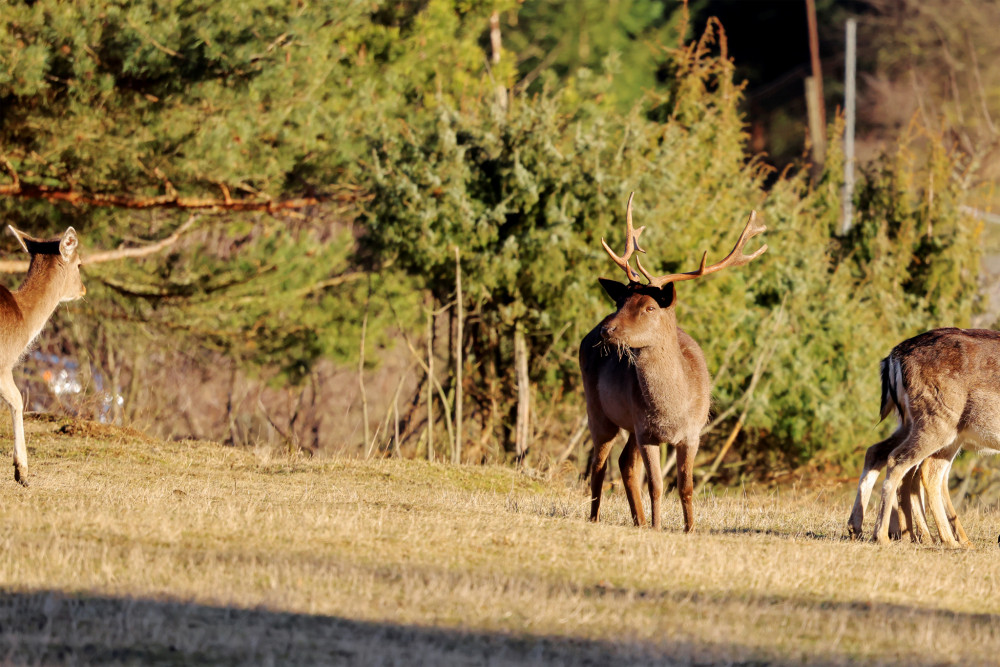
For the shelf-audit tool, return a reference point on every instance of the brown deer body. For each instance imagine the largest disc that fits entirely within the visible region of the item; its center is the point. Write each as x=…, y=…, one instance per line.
x=642, y=373
x=944, y=386
x=53, y=277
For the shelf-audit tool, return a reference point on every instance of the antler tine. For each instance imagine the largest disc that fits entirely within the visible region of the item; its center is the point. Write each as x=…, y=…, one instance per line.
x=631, y=244
x=734, y=258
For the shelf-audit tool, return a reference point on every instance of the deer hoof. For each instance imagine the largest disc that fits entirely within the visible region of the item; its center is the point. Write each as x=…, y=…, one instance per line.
x=19, y=478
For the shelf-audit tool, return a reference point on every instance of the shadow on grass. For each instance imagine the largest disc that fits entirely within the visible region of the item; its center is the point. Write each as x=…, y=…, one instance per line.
x=52, y=627
x=784, y=534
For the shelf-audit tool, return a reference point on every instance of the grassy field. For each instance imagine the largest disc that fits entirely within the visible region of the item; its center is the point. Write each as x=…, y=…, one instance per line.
x=129, y=550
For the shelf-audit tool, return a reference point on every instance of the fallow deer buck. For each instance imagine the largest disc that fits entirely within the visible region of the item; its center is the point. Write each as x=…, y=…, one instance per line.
x=642, y=373
x=944, y=386
x=53, y=277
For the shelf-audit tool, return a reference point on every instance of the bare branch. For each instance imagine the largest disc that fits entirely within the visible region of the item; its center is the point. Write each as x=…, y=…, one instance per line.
x=142, y=251
x=21, y=265
x=979, y=86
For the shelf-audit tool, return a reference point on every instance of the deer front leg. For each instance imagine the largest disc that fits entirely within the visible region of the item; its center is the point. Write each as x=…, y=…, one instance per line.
x=912, y=496
x=603, y=443
x=875, y=460
x=686, y=452
x=917, y=446
x=654, y=480
x=908, y=502
x=949, y=509
x=12, y=397
x=631, y=471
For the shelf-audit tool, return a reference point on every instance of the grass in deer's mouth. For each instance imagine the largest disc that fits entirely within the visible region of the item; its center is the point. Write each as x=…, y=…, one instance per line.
x=130, y=550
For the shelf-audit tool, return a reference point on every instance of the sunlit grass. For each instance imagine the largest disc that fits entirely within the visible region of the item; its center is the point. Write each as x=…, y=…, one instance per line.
x=195, y=552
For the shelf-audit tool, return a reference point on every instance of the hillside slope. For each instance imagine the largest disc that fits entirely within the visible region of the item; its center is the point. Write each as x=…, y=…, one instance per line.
x=131, y=550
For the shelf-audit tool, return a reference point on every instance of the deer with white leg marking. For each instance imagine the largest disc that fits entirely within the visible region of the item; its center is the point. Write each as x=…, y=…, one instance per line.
x=642, y=373
x=53, y=277
x=944, y=386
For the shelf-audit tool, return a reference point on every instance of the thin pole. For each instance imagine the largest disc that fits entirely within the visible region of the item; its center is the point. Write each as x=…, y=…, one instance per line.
x=361, y=369
x=430, y=383
x=819, y=141
x=850, y=90
x=457, y=455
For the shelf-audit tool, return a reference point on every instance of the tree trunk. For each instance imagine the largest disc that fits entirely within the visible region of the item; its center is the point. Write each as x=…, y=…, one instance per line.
x=522, y=431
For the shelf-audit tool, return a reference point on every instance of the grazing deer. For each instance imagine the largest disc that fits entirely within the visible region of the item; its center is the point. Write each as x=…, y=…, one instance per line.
x=913, y=498
x=655, y=385
x=944, y=386
x=53, y=276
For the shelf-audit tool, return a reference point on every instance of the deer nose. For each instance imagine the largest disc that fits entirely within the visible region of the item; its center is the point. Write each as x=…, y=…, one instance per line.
x=607, y=330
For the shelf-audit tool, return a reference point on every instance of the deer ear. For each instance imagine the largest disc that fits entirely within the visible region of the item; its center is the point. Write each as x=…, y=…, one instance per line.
x=665, y=296
x=616, y=290
x=20, y=236
x=68, y=243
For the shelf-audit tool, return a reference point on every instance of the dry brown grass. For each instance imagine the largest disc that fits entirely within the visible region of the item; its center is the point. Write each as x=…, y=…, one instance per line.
x=130, y=551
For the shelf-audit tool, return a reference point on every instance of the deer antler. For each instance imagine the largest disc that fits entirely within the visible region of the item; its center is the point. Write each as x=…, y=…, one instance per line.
x=735, y=258
x=631, y=244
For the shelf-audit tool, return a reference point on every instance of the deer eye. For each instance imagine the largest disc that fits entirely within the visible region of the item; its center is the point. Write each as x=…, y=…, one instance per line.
x=650, y=309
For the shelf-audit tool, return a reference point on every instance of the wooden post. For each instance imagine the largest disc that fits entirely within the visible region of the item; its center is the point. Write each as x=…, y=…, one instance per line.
x=817, y=131
x=395, y=414
x=361, y=369
x=430, y=383
x=850, y=94
x=496, y=46
x=457, y=451
x=523, y=428
x=819, y=138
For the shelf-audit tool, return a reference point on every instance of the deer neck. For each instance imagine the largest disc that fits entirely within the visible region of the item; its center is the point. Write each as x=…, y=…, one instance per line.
x=37, y=298
x=660, y=368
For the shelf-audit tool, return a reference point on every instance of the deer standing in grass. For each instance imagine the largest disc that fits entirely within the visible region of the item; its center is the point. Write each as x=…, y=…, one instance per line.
x=944, y=386
x=53, y=277
x=642, y=373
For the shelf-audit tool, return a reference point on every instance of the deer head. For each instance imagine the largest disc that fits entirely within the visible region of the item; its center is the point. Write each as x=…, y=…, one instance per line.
x=645, y=312
x=57, y=259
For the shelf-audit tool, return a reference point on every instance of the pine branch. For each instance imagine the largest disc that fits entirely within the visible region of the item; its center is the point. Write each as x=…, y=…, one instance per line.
x=169, y=200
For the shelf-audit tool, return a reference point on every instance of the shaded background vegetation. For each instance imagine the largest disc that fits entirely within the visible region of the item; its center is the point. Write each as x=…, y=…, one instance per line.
x=338, y=159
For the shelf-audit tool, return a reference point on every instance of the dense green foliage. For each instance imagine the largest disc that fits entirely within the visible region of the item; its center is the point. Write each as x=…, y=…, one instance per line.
x=527, y=192
x=393, y=118
x=560, y=39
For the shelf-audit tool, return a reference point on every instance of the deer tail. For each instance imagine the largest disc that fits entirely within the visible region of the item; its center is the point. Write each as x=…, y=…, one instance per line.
x=891, y=378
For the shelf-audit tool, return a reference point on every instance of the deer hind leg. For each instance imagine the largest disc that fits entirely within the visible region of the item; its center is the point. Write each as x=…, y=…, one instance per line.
x=949, y=509
x=628, y=463
x=875, y=459
x=935, y=476
x=914, y=496
x=904, y=526
x=603, y=437
x=651, y=457
x=12, y=397
x=917, y=446
x=686, y=451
